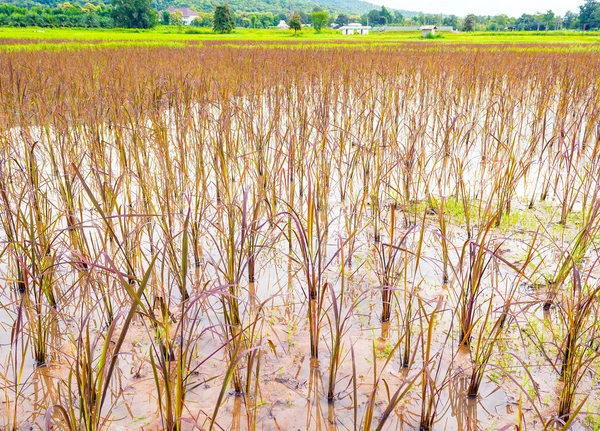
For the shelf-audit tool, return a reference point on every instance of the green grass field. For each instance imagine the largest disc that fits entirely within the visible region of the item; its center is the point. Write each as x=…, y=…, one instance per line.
x=14, y=39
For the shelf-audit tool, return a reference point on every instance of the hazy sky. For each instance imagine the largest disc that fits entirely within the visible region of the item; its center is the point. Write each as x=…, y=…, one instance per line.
x=484, y=7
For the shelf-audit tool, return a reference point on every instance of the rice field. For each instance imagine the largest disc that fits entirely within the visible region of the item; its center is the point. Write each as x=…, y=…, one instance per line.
x=280, y=235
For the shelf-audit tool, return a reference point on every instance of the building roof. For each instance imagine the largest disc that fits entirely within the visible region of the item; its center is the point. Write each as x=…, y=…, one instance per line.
x=354, y=25
x=428, y=27
x=185, y=11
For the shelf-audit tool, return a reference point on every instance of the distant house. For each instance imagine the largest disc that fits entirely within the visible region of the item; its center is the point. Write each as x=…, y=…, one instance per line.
x=428, y=30
x=355, y=28
x=510, y=28
x=283, y=25
x=187, y=13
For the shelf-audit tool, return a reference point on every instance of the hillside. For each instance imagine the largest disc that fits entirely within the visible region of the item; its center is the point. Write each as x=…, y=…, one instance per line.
x=273, y=6
x=354, y=7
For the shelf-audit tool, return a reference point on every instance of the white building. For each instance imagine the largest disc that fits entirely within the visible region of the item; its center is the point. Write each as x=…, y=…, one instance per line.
x=283, y=25
x=428, y=30
x=355, y=28
x=187, y=14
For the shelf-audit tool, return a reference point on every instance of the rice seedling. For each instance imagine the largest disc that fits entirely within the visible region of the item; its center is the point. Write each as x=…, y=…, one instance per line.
x=572, y=257
x=311, y=238
x=95, y=363
x=578, y=350
x=486, y=341
x=474, y=261
x=443, y=234
x=390, y=265
x=231, y=267
x=499, y=313
x=434, y=375
x=173, y=384
x=368, y=418
x=339, y=325
x=13, y=371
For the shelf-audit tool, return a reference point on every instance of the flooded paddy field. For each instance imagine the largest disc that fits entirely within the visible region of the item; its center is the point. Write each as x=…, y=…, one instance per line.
x=355, y=238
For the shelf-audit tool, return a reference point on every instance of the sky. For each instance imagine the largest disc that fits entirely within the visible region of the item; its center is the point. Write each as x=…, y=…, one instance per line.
x=514, y=8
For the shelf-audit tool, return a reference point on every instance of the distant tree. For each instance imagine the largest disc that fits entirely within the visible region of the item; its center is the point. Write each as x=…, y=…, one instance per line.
x=304, y=17
x=90, y=8
x=253, y=20
x=499, y=22
x=63, y=15
x=595, y=18
x=223, y=19
x=165, y=18
x=319, y=20
x=588, y=14
x=570, y=20
x=295, y=23
x=469, y=23
x=386, y=14
x=64, y=6
x=204, y=19
x=133, y=13
x=527, y=22
x=374, y=18
x=398, y=18
x=176, y=18
x=450, y=21
x=549, y=19
x=342, y=19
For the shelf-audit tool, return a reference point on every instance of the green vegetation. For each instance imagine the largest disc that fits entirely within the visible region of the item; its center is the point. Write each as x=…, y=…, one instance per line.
x=25, y=38
x=267, y=13
x=319, y=20
x=254, y=14
x=175, y=18
x=133, y=14
x=223, y=21
x=66, y=15
x=469, y=23
x=295, y=23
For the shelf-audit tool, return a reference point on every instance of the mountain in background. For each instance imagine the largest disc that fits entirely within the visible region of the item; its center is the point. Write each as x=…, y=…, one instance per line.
x=352, y=7
x=356, y=7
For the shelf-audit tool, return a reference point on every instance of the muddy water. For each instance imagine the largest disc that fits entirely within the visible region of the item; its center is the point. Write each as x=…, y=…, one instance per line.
x=290, y=391
x=292, y=387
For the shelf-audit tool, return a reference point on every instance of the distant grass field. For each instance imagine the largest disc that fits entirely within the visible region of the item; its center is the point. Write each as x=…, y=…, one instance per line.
x=16, y=39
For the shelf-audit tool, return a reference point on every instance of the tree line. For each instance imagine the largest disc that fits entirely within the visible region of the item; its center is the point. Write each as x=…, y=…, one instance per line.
x=586, y=18
x=65, y=15
x=141, y=14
